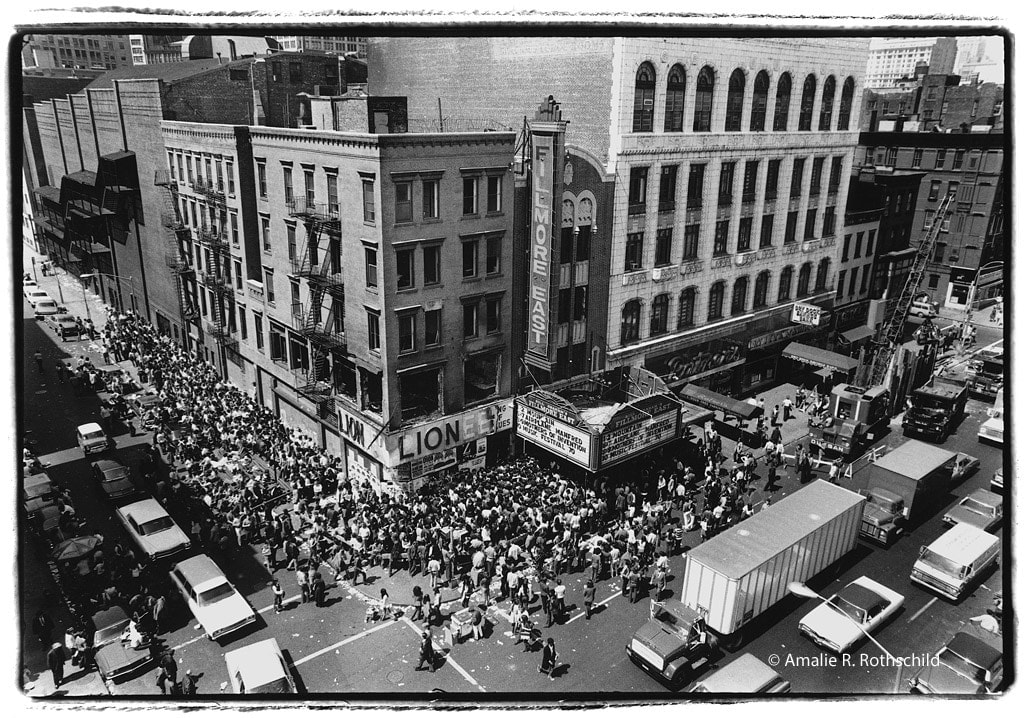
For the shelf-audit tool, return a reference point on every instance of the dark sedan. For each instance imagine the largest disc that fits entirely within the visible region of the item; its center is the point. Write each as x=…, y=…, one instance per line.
x=112, y=478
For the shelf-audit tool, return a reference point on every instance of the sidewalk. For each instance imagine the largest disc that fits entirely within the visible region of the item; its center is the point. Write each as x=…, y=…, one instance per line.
x=65, y=289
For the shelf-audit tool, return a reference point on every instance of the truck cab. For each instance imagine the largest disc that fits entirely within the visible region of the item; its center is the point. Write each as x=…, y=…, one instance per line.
x=986, y=376
x=884, y=516
x=855, y=416
x=935, y=408
x=971, y=663
x=674, y=644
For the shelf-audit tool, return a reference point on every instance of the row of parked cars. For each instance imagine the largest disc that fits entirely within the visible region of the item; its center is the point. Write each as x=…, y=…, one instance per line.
x=45, y=307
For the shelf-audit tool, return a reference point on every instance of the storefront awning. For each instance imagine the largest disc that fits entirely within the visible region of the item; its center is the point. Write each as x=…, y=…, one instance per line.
x=691, y=414
x=856, y=334
x=819, y=357
x=719, y=402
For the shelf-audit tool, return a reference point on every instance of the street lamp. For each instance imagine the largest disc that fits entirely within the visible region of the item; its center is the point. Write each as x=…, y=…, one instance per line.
x=801, y=589
x=118, y=279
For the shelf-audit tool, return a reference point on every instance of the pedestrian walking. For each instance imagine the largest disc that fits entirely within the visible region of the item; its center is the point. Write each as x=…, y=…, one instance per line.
x=269, y=559
x=190, y=684
x=478, y=622
x=159, y=609
x=588, y=598
x=769, y=484
x=319, y=591
x=775, y=415
x=559, y=608
x=161, y=679
x=427, y=654
x=55, y=659
x=39, y=361
x=275, y=586
x=303, y=580
x=61, y=371
x=548, y=659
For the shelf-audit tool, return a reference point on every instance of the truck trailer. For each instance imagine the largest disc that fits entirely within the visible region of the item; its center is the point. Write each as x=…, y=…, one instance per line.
x=739, y=574
x=900, y=484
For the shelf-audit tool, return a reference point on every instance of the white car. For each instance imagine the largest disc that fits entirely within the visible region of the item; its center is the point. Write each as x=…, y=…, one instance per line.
x=216, y=604
x=858, y=608
x=27, y=285
x=46, y=308
x=91, y=437
x=36, y=295
x=923, y=308
x=259, y=668
x=152, y=529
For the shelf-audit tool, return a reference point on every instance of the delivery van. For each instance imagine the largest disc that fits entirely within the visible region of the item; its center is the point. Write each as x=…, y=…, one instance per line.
x=951, y=564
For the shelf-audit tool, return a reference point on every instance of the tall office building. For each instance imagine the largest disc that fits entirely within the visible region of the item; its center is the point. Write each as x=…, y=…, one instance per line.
x=103, y=52
x=891, y=59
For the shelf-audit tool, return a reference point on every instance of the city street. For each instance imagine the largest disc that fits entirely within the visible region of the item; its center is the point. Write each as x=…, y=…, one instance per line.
x=334, y=650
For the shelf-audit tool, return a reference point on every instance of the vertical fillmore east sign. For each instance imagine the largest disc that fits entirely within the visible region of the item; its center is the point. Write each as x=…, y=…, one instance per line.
x=540, y=245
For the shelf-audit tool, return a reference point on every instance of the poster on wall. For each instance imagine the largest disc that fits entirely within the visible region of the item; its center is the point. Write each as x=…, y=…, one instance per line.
x=473, y=455
x=362, y=470
x=554, y=435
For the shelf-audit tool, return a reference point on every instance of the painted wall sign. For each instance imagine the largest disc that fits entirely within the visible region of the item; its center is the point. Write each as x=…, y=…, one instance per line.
x=540, y=245
x=450, y=431
x=554, y=435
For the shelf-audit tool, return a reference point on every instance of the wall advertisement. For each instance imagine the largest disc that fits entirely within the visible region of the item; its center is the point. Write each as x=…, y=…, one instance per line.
x=363, y=470
x=448, y=432
x=555, y=436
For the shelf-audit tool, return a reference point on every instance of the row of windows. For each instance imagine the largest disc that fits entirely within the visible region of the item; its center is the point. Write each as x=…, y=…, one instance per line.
x=214, y=172
x=480, y=317
x=685, y=316
x=703, y=101
x=890, y=158
x=428, y=257
x=857, y=245
x=841, y=282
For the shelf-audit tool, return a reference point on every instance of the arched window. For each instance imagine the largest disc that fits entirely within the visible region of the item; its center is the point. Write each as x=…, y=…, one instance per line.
x=631, y=321
x=803, y=281
x=739, y=296
x=674, y=99
x=782, y=93
x=785, y=283
x=643, y=99
x=705, y=94
x=822, y=277
x=760, y=105
x=846, y=104
x=715, y=299
x=734, y=101
x=659, y=315
x=828, y=95
x=807, y=104
x=761, y=289
x=687, y=300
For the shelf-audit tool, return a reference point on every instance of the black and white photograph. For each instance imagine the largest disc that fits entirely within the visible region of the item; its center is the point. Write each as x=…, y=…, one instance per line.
x=436, y=363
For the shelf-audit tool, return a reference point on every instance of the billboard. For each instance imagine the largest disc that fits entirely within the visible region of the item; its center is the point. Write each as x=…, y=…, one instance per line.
x=806, y=314
x=541, y=222
x=554, y=435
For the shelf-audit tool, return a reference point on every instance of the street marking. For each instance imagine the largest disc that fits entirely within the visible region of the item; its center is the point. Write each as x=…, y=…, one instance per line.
x=599, y=603
x=924, y=608
x=346, y=641
x=448, y=658
x=189, y=642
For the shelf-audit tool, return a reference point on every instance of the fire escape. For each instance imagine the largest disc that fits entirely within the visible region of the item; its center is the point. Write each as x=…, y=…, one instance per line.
x=322, y=270
x=178, y=258
x=216, y=277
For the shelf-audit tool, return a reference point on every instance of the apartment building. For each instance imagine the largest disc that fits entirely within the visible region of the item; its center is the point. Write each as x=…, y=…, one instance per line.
x=104, y=52
x=894, y=58
x=336, y=45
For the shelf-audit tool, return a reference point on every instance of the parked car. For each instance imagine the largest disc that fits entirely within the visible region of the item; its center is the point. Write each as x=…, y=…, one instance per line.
x=36, y=294
x=259, y=668
x=997, y=480
x=921, y=307
x=861, y=606
x=981, y=508
x=91, y=437
x=970, y=663
x=115, y=659
x=141, y=402
x=747, y=674
x=152, y=529
x=46, y=308
x=28, y=285
x=112, y=477
x=216, y=604
x=63, y=325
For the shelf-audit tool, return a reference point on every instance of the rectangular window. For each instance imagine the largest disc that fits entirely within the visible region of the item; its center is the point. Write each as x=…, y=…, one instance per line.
x=725, y=184
x=791, y=220
x=373, y=331
x=871, y=243
x=470, y=320
x=470, y=200
x=771, y=187
x=295, y=72
x=835, y=175
x=565, y=245
x=332, y=194
x=564, y=305
x=691, y=238
x=856, y=246
x=797, y=182
x=721, y=238
x=890, y=156
x=292, y=252
x=493, y=264
x=432, y=327
x=370, y=255
x=638, y=190
x=268, y=284
x=265, y=233
x=369, y=204
x=406, y=332
x=431, y=199
x=470, y=250
x=933, y=281
x=431, y=264
x=929, y=218
x=841, y=283
x=695, y=187
x=229, y=170
x=191, y=174
x=181, y=171
x=310, y=187
x=933, y=191
x=663, y=247
x=405, y=260
x=940, y=159
x=234, y=229
x=767, y=229
x=743, y=235
x=634, y=251
x=951, y=189
x=293, y=285
x=864, y=279
x=403, y=202
x=289, y=192
x=853, y=279
x=829, y=222
x=170, y=164
x=915, y=162
x=493, y=317
x=493, y=194
x=261, y=178
x=812, y=218
x=846, y=247
x=583, y=244
x=579, y=304
x=750, y=180
x=667, y=188
x=208, y=164
x=958, y=159
x=238, y=273
x=257, y=328
x=940, y=252
x=816, y=170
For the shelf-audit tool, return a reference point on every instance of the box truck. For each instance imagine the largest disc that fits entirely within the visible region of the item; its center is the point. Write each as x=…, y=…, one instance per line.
x=742, y=572
x=900, y=484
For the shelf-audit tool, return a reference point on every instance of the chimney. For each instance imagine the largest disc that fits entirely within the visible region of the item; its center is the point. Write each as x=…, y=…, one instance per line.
x=219, y=60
